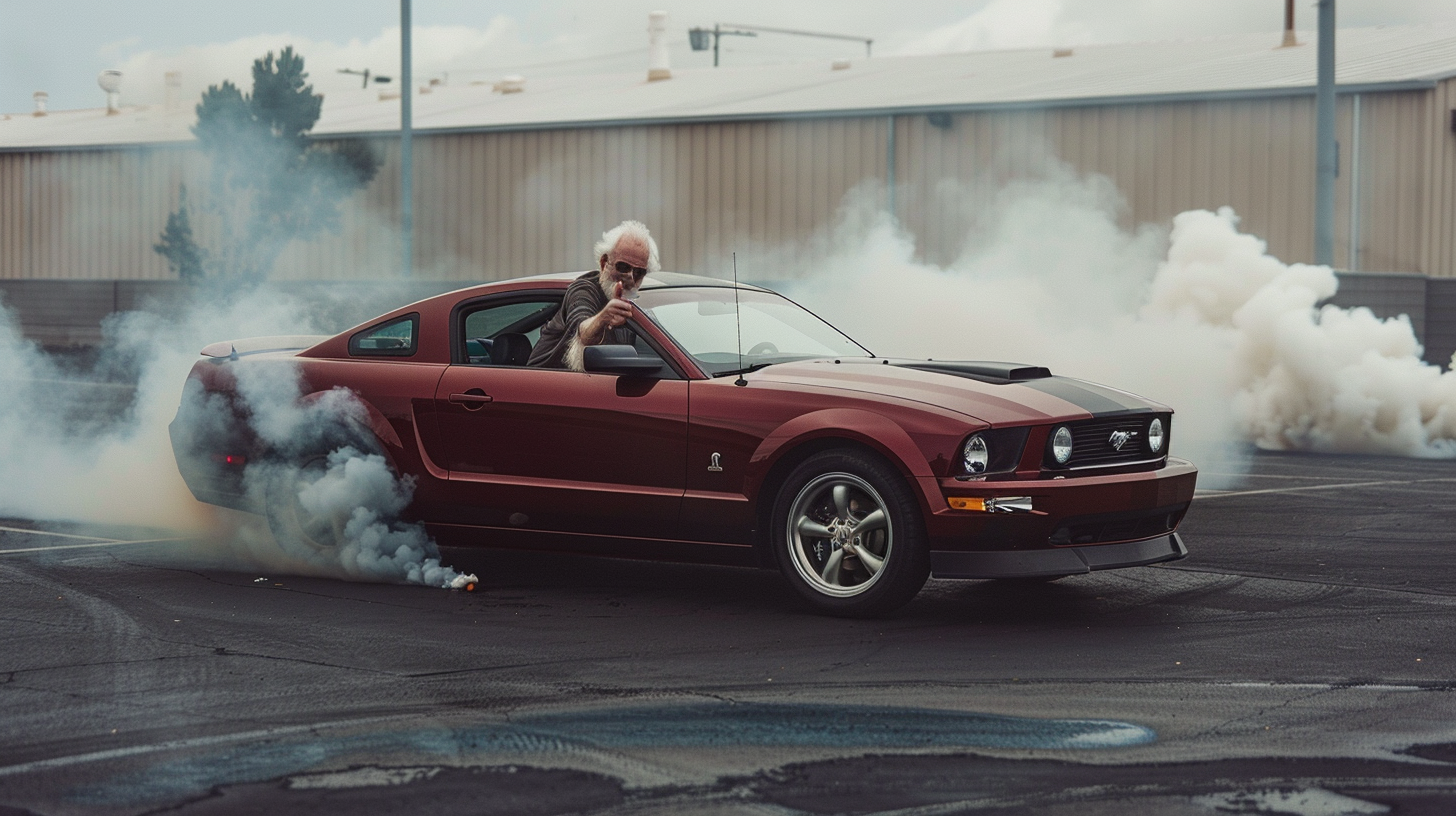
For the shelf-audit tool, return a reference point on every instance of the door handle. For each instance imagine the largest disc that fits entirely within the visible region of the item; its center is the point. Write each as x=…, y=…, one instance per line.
x=472, y=400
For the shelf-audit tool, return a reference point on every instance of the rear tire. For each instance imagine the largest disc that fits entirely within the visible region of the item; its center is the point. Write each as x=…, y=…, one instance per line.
x=848, y=535
x=292, y=524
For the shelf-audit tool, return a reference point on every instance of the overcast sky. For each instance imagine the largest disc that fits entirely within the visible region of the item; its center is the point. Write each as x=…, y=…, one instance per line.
x=59, y=46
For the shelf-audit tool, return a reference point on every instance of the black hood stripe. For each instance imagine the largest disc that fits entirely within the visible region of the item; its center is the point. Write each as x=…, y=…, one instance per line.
x=1090, y=397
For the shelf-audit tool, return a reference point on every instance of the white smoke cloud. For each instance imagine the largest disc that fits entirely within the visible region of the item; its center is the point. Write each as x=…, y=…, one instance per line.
x=355, y=493
x=59, y=462
x=1226, y=334
x=1308, y=377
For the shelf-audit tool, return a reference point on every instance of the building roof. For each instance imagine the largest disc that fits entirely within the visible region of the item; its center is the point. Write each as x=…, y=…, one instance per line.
x=1228, y=66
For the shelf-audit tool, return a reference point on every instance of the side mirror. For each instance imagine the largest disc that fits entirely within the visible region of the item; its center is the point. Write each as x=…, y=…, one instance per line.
x=618, y=359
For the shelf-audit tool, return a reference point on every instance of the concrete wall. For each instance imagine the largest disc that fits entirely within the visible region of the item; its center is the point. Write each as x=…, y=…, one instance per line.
x=69, y=314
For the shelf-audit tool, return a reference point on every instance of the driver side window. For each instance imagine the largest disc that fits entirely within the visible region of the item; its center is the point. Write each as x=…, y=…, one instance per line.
x=503, y=334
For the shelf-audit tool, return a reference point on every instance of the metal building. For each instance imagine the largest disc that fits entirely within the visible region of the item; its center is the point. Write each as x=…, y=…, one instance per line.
x=758, y=160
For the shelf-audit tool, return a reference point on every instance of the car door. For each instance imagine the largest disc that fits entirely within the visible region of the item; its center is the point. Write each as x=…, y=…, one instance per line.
x=560, y=451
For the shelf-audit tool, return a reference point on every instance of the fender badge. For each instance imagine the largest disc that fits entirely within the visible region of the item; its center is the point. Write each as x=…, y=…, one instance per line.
x=716, y=464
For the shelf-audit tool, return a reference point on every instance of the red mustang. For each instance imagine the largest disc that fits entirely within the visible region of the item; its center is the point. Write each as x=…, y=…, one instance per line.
x=855, y=475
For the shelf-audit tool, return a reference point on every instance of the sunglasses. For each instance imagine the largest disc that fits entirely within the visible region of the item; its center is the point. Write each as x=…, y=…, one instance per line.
x=638, y=273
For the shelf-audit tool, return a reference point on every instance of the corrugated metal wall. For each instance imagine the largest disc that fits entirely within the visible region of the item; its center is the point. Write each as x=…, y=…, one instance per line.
x=87, y=214
x=1253, y=155
x=494, y=205
x=1438, y=171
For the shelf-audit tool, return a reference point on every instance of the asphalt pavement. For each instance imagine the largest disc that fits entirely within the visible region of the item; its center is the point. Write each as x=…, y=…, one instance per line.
x=1300, y=661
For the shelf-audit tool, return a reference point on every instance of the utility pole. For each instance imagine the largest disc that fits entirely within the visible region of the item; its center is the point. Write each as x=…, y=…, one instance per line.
x=1326, y=150
x=406, y=142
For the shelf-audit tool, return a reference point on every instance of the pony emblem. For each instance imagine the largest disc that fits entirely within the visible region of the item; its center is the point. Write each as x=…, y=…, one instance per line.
x=1119, y=438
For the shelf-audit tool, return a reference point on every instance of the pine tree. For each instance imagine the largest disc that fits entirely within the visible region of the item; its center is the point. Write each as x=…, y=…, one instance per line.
x=178, y=245
x=271, y=183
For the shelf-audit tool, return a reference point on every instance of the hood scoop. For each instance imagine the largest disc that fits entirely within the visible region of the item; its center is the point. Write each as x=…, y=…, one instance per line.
x=993, y=373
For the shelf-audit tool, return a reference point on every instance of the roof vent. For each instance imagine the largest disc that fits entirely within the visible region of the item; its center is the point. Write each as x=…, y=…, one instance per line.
x=839, y=65
x=1289, y=39
x=41, y=98
x=515, y=83
x=110, y=82
x=658, y=67
x=1062, y=52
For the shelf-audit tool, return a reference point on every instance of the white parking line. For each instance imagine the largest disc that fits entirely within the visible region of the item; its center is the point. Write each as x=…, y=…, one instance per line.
x=45, y=533
x=197, y=742
x=111, y=543
x=1224, y=495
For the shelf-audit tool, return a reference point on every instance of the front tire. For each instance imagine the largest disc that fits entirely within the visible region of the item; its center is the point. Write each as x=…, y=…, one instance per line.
x=848, y=535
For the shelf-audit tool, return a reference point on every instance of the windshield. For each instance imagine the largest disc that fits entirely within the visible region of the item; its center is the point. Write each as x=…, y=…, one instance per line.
x=775, y=329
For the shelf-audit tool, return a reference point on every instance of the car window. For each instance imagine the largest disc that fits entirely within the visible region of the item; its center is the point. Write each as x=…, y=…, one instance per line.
x=725, y=333
x=395, y=338
x=485, y=330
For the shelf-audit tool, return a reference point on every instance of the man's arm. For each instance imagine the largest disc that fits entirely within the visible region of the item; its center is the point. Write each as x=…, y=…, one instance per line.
x=594, y=329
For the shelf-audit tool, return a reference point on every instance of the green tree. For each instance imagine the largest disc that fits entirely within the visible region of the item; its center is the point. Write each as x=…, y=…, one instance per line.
x=270, y=182
x=178, y=246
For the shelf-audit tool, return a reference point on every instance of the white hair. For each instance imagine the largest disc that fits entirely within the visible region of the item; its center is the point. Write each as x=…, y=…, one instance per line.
x=634, y=229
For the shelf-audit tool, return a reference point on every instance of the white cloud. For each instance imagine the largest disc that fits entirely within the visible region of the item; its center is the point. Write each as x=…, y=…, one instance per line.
x=1000, y=24
x=436, y=50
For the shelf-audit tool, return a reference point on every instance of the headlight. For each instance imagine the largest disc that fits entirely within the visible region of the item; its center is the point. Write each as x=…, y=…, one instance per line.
x=976, y=456
x=1062, y=445
x=1155, y=435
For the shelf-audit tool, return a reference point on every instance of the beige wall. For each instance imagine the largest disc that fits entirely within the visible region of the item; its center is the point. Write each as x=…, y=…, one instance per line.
x=493, y=205
x=497, y=205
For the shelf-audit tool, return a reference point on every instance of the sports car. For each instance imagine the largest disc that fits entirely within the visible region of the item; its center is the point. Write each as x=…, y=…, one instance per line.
x=737, y=428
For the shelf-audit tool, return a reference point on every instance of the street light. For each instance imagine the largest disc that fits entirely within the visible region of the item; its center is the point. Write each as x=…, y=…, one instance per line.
x=698, y=38
x=381, y=79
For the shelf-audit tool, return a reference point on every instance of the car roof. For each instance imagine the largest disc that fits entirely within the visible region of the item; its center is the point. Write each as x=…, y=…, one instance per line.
x=657, y=280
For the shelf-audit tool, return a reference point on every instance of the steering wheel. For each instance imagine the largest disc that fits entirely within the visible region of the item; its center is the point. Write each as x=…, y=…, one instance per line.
x=764, y=348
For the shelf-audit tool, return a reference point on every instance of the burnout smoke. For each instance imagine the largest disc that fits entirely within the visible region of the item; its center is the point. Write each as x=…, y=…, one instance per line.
x=353, y=492
x=93, y=446
x=1231, y=337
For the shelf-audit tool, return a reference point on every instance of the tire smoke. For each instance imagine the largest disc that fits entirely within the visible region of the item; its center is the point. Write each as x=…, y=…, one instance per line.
x=1235, y=340
x=91, y=444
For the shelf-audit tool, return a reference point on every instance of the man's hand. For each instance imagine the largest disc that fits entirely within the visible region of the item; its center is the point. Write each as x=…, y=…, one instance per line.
x=612, y=315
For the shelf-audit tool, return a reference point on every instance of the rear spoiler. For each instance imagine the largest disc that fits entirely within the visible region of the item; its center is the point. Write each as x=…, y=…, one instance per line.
x=251, y=345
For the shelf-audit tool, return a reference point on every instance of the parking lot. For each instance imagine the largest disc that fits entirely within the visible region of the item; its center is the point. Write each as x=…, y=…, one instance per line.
x=1300, y=660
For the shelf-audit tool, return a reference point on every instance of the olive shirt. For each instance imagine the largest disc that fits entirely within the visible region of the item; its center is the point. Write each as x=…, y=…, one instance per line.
x=584, y=298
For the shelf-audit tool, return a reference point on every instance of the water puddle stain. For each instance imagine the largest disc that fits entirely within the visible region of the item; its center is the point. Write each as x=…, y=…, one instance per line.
x=701, y=725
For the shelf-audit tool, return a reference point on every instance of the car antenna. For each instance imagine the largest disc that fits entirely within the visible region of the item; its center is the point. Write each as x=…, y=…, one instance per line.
x=738, y=322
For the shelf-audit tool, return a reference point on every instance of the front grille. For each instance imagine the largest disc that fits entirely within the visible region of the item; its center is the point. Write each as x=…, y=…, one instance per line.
x=1110, y=527
x=1092, y=442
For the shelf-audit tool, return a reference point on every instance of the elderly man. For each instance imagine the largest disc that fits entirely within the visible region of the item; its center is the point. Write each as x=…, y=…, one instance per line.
x=595, y=309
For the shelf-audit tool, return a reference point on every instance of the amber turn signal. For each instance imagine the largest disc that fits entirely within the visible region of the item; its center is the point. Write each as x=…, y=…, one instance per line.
x=964, y=503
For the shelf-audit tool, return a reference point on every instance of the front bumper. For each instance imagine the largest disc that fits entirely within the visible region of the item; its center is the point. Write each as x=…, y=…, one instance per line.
x=1055, y=562
x=1075, y=525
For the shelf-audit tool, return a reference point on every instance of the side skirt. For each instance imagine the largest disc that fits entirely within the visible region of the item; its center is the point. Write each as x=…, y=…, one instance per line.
x=643, y=549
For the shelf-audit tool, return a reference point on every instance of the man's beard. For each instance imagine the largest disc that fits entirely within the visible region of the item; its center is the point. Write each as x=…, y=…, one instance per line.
x=608, y=283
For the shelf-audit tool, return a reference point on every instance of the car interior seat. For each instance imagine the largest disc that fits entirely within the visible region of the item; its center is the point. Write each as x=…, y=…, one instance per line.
x=510, y=349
